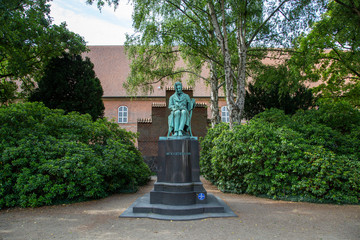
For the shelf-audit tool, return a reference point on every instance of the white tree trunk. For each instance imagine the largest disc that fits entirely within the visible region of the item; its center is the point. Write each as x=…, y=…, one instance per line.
x=222, y=38
x=214, y=96
x=229, y=81
x=241, y=78
x=241, y=82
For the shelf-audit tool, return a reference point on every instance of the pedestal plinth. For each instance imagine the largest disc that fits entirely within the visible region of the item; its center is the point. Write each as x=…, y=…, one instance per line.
x=178, y=181
x=178, y=193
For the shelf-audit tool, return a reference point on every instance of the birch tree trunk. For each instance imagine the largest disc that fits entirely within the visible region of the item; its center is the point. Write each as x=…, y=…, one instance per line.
x=241, y=73
x=222, y=38
x=229, y=81
x=241, y=82
x=214, y=95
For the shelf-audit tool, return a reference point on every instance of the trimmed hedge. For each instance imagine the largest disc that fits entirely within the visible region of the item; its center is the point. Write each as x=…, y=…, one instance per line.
x=48, y=157
x=311, y=156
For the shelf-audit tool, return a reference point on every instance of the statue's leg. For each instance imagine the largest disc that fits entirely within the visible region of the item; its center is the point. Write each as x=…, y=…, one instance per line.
x=176, y=122
x=182, y=121
x=170, y=124
x=169, y=131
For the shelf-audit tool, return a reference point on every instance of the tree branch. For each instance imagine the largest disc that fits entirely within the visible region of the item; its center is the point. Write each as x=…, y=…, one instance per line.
x=343, y=4
x=263, y=24
x=192, y=7
x=172, y=74
x=216, y=26
x=353, y=8
x=221, y=84
x=271, y=50
x=183, y=12
x=346, y=65
x=6, y=75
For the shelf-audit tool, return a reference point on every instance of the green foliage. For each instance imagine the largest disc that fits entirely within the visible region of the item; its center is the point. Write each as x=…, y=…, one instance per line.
x=152, y=49
x=48, y=157
x=149, y=64
x=305, y=157
x=330, y=52
x=276, y=87
x=7, y=91
x=225, y=36
x=29, y=39
x=69, y=83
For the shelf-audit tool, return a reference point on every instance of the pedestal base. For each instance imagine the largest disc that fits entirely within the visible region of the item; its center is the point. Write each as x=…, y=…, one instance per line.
x=178, y=173
x=178, y=193
x=214, y=208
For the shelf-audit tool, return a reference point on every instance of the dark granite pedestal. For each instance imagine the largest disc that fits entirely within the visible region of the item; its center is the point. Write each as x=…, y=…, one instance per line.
x=178, y=181
x=178, y=193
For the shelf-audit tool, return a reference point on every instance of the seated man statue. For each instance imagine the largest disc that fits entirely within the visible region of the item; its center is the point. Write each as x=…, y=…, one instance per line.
x=181, y=107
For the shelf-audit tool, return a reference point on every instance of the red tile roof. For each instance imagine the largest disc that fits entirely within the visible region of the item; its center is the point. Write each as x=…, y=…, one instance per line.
x=111, y=66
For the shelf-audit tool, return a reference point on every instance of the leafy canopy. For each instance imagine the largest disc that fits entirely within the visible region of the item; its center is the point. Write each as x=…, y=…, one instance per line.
x=29, y=40
x=69, y=83
x=331, y=52
x=211, y=33
x=276, y=87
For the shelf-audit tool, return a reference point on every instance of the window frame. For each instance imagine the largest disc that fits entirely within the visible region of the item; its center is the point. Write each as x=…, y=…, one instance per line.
x=225, y=117
x=124, y=118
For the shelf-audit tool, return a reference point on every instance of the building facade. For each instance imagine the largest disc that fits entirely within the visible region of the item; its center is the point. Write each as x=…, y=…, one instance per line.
x=111, y=66
x=142, y=113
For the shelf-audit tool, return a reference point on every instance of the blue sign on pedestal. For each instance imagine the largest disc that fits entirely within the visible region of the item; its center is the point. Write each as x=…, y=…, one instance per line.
x=201, y=196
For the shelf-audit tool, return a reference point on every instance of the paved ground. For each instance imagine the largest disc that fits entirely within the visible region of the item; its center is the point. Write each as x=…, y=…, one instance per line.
x=258, y=219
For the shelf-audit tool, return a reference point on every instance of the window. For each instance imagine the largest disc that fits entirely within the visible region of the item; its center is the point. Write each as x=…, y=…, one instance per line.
x=123, y=114
x=224, y=114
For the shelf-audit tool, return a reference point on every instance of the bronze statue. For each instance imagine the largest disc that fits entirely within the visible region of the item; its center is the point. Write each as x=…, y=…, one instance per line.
x=181, y=107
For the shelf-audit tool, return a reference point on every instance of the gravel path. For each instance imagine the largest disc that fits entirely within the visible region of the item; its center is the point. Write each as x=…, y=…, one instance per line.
x=258, y=219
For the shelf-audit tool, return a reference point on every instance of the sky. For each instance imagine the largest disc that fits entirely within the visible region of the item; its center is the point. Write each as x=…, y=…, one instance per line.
x=107, y=27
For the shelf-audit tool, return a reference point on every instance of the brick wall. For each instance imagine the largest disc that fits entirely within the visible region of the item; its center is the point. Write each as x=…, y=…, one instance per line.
x=149, y=117
x=151, y=129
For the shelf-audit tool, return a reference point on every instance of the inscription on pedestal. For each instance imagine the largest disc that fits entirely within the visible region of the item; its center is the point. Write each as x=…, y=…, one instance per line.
x=177, y=153
x=178, y=180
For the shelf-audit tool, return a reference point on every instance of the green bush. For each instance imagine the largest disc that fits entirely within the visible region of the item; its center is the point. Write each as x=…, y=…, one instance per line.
x=48, y=157
x=304, y=157
x=69, y=83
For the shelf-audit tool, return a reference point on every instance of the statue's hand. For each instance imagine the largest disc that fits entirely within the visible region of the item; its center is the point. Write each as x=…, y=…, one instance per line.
x=174, y=107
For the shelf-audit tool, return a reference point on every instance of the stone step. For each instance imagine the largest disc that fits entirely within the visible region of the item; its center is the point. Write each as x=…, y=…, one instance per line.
x=176, y=198
x=212, y=206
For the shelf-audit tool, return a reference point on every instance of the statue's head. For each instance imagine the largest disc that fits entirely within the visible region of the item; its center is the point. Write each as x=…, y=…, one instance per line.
x=178, y=87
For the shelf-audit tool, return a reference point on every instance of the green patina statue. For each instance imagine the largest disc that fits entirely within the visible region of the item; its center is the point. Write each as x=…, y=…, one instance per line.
x=181, y=107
